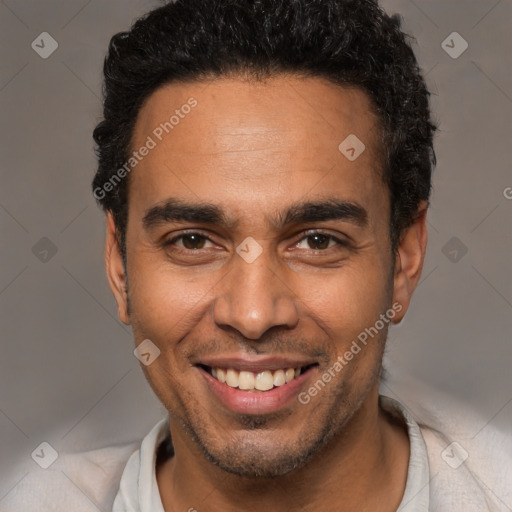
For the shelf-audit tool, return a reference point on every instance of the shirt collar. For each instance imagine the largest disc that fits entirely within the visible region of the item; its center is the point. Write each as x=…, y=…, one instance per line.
x=417, y=487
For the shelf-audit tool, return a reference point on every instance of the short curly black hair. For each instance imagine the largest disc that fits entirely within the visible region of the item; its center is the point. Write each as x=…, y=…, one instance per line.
x=349, y=42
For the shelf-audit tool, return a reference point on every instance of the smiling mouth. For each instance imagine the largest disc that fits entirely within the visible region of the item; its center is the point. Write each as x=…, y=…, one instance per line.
x=265, y=380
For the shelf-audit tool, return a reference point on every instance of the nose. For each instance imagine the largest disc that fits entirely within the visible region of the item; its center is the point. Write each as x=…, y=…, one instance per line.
x=252, y=299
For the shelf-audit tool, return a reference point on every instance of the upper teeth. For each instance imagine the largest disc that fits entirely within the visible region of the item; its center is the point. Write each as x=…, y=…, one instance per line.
x=262, y=381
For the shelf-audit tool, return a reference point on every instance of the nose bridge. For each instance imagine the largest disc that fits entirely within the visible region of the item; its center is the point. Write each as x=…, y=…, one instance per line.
x=252, y=298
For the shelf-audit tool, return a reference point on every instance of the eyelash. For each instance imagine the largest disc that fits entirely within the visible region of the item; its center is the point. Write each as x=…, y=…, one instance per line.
x=339, y=242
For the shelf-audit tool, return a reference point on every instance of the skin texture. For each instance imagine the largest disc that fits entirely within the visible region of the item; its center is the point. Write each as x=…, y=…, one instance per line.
x=254, y=150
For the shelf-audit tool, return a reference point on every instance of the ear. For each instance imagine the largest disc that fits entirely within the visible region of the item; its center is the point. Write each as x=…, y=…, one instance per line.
x=409, y=260
x=115, y=270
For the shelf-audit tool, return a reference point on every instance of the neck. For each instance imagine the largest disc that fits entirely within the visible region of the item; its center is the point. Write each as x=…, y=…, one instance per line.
x=364, y=468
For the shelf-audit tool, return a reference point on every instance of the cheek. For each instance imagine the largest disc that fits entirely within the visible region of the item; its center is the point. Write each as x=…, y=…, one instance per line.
x=348, y=310
x=165, y=302
x=166, y=305
x=350, y=300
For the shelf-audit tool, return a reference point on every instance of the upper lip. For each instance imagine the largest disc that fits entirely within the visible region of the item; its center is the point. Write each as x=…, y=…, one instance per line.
x=255, y=363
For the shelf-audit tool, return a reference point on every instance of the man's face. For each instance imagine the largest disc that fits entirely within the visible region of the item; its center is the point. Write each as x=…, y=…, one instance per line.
x=255, y=245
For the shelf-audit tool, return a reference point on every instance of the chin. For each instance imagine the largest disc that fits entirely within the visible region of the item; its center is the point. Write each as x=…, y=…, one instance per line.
x=253, y=465
x=266, y=456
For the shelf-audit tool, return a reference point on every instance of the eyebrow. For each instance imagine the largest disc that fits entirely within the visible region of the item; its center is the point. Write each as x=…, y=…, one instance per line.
x=324, y=210
x=175, y=210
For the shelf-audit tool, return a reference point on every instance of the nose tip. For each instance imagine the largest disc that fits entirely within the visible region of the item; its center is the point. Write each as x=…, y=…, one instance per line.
x=253, y=325
x=253, y=310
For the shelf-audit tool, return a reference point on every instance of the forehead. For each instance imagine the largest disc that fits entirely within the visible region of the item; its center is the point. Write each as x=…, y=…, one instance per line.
x=255, y=140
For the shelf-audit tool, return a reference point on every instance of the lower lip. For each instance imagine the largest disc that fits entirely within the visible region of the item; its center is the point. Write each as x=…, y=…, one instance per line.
x=258, y=402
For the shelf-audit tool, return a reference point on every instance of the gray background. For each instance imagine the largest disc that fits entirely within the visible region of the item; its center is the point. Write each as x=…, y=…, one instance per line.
x=68, y=374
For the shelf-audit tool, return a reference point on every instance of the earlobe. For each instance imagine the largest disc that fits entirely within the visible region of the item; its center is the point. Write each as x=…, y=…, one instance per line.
x=409, y=260
x=115, y=270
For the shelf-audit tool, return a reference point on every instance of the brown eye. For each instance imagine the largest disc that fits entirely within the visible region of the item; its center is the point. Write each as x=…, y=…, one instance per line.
x=317, y=242
x=193, y=241
x=189, y=241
